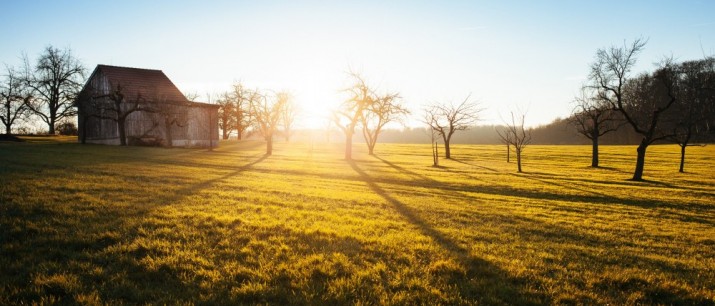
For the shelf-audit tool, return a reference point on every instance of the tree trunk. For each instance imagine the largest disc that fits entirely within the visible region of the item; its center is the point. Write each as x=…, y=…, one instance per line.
x=436, y=154
x=122, y=132
x=224, y=134
x=435, y=160
x=51, y=126
x=7, y=128
x=682, y=158
x=508, y=153
x=594, y=152
x=269, y=145
x=371, y=148
x=348, y=146
x=640, y=161
x=447, y=152
x=518, y=160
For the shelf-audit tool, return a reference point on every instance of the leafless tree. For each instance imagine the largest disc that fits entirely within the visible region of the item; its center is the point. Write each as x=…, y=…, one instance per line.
x=516, y=135
x=115, y=106
x=192, y=96
x=446, y=119
x=171, y=114
x=688, y=121
x=505, y=138
x=289, y=114
x=433, y=142
x=641, y=101
x=243, y=98
x=15, y=98
x=267, y=110
x=593, y=118
x=351, y=110
x=226, y=114
x=55, y=80
x=385, y=109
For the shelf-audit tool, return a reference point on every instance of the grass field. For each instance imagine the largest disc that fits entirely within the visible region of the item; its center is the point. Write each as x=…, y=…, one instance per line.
x=132, y=225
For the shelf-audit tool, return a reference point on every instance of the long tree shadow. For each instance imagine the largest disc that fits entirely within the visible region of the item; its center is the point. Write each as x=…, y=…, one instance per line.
x=593, y=198
x=403, y=170
x=484, y=281
x=194, y=188
x=474, y=165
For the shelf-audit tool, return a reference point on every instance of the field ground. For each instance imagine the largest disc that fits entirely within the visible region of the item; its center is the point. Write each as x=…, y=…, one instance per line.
x=102, y=224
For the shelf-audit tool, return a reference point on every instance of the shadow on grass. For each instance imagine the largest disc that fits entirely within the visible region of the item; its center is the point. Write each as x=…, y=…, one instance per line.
x=483, y=282
x=607, y=168
x=474, y=165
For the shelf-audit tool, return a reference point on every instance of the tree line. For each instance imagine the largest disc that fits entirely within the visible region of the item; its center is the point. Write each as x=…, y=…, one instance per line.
x=44, y=90
x=673, y=103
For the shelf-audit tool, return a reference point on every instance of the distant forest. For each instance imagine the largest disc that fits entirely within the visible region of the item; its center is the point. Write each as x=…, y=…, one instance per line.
x=558, y=132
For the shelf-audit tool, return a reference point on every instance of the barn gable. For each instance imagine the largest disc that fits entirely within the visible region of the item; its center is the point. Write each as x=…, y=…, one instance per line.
x=150, y=107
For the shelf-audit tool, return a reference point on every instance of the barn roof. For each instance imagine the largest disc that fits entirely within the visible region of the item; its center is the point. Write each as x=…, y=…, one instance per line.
x=149, y=83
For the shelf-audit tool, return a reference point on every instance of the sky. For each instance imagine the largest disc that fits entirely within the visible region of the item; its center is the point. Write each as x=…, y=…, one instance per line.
x=522, y=56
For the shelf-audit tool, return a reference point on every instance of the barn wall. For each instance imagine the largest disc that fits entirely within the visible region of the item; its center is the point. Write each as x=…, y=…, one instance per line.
x=201, y=127
x=101, y=131
x=198, y=127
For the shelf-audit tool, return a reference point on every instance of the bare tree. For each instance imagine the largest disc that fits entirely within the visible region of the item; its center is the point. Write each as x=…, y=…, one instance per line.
x=243, y=98
x=446, y=119
x=289, y=113
x=115, y=106
x=171, y=114
x=351, y=110
x=266, y=111
x=226, y=114
x=696, y=95
x=517, y=136
x=641, y=101
x=385, y=109
x=55, y=80
x=505, y=138
x=433, y=143
x=593, y=118
x=15, y=98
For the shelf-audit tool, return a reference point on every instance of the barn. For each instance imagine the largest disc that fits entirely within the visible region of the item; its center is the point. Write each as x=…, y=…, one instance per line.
x=133, y=106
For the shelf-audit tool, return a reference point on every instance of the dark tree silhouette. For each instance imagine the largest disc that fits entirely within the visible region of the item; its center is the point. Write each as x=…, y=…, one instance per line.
x=115, y=106
x=516, y=135
x=267, y=112
x=15, y=98
x=226, y=114
x=383, y=110
x=506, y=139
x=696, y=97
x=593, y=118
x=171, y=114
x=351, y=110
x=446, y=119
x=641, y=101
x=55, y=80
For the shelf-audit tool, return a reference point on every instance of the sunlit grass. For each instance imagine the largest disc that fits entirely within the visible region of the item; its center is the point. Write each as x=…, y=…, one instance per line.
x=103, y=224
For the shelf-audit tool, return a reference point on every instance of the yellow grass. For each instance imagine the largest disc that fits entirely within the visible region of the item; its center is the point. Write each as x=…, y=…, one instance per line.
x=102, y=224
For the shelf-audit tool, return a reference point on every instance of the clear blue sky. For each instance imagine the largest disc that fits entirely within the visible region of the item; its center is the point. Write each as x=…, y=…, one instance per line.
x=531, y=55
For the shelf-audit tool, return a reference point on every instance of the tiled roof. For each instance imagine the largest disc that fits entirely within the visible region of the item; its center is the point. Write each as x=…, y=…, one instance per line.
x=151, y=84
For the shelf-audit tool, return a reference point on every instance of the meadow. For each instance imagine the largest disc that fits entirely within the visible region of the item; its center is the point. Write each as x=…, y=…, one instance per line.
x=95, y=225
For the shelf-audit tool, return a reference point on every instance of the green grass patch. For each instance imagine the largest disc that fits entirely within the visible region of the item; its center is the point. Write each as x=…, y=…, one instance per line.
x=96, y=224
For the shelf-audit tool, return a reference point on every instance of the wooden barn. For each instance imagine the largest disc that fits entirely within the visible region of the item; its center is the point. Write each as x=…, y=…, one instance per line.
x=132, y=106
